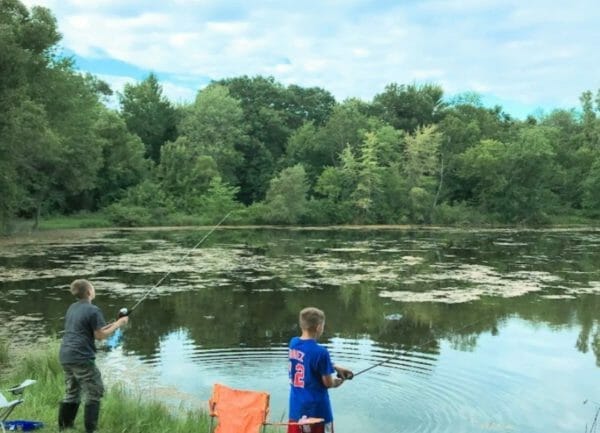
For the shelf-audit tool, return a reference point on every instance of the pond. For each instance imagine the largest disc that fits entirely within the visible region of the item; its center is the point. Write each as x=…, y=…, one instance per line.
x=466, y=330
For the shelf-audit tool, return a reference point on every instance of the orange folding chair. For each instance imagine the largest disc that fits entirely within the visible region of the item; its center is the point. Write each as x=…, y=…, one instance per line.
x=242, y=411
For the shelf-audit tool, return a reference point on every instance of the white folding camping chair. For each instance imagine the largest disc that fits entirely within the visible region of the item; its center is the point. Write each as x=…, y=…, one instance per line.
x=6, y=407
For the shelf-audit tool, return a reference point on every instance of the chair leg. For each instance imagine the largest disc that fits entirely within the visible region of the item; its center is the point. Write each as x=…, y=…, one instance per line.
x=66, y=415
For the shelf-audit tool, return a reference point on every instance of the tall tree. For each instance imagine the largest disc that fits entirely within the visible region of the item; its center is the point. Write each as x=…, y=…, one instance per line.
x=317, y=147
x=263, y=102
x=369, y=180
x=590, y=187
x=423, y=171
x=286, y=198
x=123, y=162
x=149, y=114
x=26, y=43
x=573, y=155
x=272, y=111
x=185, y=174
x=49, y=115
x=514, y=181
x=311, y=104
x=408, y=107
x=218, y=200
x=214, y=127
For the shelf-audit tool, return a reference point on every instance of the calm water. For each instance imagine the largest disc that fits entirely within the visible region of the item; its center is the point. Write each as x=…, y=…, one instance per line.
x=483, y=331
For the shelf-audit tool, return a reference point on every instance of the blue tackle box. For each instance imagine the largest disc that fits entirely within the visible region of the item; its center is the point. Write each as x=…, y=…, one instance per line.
x=22, y=425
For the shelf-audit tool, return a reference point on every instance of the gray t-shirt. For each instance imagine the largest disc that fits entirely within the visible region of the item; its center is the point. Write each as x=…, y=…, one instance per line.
x=78, y=342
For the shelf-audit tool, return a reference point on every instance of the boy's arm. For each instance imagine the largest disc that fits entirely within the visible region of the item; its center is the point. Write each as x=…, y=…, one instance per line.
x=106, y=331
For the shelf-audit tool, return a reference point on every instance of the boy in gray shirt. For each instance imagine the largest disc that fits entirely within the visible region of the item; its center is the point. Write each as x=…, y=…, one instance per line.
x=84, y=323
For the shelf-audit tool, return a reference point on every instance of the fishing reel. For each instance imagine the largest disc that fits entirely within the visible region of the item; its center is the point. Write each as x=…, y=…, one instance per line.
x=346, y=376
x=123, y=312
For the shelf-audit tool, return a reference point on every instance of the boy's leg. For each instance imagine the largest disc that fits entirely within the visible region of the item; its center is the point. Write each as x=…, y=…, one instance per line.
x=91, y=382
x=91, y=414
x=67, y=410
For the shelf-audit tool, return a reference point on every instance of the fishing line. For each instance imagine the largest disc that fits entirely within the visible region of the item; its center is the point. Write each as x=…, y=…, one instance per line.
x=386, y=360
x=125, y=312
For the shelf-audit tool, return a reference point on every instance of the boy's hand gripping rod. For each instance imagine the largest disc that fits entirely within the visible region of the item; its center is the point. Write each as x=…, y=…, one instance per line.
x=125, y=312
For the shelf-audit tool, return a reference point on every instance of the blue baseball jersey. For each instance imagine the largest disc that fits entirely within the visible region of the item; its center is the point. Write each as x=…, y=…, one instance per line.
x=309, y=361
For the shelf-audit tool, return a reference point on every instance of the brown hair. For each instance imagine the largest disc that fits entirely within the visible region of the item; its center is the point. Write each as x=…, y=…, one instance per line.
x=310, y=318
x=80, y=288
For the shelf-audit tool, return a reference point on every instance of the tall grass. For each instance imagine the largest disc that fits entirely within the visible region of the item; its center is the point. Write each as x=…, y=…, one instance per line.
x=121, y=412
x=3, y=353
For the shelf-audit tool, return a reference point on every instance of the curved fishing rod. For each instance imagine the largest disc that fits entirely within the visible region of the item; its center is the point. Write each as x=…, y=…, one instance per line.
x=386, y=360
x=125, y=312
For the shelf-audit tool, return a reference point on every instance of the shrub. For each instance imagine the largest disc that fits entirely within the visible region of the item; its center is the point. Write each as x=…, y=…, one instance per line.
x=129, y=216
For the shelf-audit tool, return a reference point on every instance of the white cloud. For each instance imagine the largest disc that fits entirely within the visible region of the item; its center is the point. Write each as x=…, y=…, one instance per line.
x=534, y=52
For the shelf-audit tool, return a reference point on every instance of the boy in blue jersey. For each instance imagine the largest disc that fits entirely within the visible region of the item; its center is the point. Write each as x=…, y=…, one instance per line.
x=311, y=375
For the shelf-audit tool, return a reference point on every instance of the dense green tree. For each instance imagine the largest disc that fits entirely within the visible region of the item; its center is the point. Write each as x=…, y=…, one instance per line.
x=27, y=39
x=272, y=111
x=286, y=197
x=218, y=200
x=408, y=107
x=423, y=171
x=572, y=155
x=590, y=121
x=40, y=155
x=149, y=114
x=311, y=104
x=591, y=188
x=49, y=113
x=334, y=189
x=73, y=107
x=123, y=162
x=257, y=169
x=345, y=127
x=263, y=102
x=319, y=147
x=304, y=147
x=465, y=123
x=369, y=181
x=184, y=174
x=213, y=126
x=514, y=181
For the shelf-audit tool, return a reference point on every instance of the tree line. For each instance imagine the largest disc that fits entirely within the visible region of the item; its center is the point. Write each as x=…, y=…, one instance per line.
x=275, y=154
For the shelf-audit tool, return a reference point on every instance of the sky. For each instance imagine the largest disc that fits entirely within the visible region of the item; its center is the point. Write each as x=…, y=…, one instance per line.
x=529, y=56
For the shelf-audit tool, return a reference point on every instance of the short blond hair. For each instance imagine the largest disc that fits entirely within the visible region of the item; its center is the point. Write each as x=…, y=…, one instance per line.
x=80, y=288
x=310, y=318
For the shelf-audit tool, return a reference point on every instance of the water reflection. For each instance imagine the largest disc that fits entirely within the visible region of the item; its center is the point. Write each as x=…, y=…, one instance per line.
x=478, y=330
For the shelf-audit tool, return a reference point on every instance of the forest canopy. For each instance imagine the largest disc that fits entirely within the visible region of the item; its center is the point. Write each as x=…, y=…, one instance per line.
x=276, y=154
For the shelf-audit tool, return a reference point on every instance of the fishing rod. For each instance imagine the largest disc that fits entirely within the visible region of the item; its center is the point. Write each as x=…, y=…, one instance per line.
x=125, y=312
x=386, y=360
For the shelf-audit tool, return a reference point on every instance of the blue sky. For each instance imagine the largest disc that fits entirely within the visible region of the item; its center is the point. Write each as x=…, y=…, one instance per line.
x=523, y=55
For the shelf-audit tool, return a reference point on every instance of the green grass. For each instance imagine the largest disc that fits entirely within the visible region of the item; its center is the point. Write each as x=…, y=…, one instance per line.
x=122, y=411
x=77, y=221
x=3, y=354
x=574, y=220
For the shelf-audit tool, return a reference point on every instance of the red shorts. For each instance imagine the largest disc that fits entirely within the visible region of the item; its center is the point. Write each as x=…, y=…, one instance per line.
x=310, y=428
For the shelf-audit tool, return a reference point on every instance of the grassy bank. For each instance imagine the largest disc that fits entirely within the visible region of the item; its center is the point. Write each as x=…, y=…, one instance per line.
x=102, y=220
x=121, y=410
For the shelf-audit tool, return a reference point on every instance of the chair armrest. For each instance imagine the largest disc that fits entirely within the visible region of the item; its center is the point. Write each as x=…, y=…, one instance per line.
x=19, y=388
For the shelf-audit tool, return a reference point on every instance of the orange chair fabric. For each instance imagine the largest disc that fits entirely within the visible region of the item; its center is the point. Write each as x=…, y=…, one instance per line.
x=238, y=411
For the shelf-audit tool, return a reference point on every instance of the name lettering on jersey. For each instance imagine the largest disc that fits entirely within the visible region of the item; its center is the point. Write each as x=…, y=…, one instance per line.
x=297, y=355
